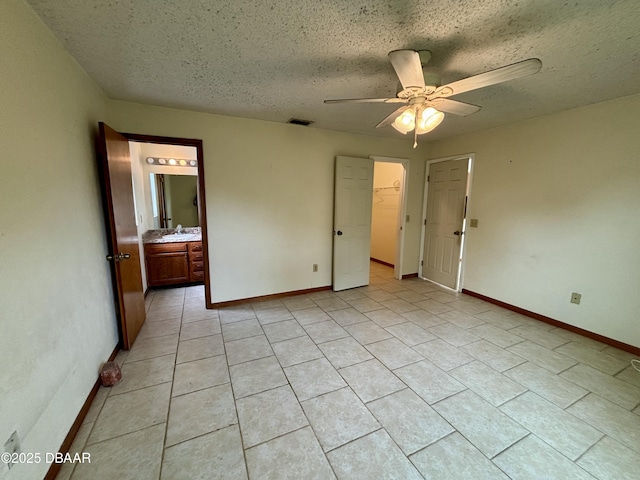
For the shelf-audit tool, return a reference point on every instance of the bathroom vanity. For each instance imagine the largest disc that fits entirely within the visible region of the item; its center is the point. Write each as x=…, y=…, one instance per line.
x=172, y=259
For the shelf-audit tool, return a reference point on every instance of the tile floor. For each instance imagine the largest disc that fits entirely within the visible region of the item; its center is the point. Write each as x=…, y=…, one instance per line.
x=400, y=379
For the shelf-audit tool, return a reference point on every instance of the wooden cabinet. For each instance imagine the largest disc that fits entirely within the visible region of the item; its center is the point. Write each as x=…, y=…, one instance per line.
x=196, y=262
x=173, y=263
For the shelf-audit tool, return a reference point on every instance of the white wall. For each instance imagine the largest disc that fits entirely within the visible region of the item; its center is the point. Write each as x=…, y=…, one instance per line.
x=144, y=216
x=269, y=190
x=557, y=199
x=384, y=210
x=57, y=321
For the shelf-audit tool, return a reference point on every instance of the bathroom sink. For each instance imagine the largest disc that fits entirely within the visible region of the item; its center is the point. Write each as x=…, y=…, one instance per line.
x=179, y=236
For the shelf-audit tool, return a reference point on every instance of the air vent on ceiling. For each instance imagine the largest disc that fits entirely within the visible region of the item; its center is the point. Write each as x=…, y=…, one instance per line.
x=298, y=121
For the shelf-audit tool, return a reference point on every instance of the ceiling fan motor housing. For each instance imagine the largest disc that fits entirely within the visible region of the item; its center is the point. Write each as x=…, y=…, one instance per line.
x=431, y=81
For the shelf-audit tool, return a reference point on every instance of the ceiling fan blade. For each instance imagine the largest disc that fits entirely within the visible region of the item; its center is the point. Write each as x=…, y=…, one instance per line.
x=499, y=75
x=388, y=120
x=368, y=100
x=454, y=106
x=407, y=65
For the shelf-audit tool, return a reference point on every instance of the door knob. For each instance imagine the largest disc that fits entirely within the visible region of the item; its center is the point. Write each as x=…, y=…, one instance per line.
x=457, y=232
x=118, y=257
x=339, y=232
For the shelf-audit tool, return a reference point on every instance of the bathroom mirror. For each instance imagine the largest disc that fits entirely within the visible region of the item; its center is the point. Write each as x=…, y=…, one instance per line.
x=174, y=200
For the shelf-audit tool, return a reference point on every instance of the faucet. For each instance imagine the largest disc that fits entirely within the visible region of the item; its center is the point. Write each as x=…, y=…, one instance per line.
x=179, y=229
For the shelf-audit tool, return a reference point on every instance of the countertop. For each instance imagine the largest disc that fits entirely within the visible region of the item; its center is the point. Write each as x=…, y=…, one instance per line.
x=157, y=236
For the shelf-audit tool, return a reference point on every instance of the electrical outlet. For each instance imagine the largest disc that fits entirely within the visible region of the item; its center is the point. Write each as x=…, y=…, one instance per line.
x=408, y=218
x=575, y=298
x=12, y=446
x=473, y=222
x=315, y=267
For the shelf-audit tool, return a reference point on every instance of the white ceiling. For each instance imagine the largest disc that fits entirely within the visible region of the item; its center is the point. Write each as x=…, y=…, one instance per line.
x=274, y=60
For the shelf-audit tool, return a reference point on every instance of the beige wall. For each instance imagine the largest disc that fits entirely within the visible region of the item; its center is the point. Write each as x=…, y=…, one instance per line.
x=57, y=321
x=384, y=210
x=557, y=200
x=269, y=190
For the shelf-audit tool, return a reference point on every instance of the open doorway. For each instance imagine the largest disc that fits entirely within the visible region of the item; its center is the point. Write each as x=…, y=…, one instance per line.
x=168, y=187
x=388, y=214
x=353, y=209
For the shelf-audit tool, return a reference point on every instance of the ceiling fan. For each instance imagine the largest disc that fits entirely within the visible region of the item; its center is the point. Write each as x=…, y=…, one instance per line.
x=426, y=101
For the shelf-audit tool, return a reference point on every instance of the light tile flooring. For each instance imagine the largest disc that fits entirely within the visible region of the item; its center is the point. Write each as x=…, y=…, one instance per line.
x=400, y=379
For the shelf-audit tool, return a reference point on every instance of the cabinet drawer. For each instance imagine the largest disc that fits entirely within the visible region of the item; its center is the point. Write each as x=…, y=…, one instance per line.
x=197, y=276
x=195, y=247
x=197, y=266
x=195, y=256
x=151, y=248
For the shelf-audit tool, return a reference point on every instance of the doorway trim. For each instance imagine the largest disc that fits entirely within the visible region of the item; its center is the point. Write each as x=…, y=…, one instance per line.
x=463, y=248
x=401, y=223
x=202, y=203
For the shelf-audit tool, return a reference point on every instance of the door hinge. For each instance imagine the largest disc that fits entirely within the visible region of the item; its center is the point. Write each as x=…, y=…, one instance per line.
x=425, y=221
x=421, y=263
x=428, y=178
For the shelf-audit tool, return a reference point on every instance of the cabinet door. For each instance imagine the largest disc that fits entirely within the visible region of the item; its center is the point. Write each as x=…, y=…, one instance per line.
x=167, y=268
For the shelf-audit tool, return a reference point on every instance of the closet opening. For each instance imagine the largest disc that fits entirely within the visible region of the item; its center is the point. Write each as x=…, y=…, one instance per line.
x=388, y=216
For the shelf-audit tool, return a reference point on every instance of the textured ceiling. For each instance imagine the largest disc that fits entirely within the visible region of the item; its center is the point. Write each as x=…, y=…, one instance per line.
x=274, y=60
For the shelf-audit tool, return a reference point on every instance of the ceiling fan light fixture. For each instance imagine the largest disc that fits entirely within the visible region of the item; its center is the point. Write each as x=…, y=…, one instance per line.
x=427, y=112
x=406, y=121
x=422, y=120
x=429, y=119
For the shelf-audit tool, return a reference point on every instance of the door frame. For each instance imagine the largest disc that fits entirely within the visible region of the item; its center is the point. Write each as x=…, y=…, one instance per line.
x=202, y=203
x=470, y=157
x=397, y=269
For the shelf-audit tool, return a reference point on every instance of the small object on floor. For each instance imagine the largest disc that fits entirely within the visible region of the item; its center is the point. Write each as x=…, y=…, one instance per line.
x=110, y=374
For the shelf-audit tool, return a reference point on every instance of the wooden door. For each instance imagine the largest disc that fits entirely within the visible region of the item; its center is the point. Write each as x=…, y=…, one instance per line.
x=352, y=222
x=124, y=253
x=446, y=195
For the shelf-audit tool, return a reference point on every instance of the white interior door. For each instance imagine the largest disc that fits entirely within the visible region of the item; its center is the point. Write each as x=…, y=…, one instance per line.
x=446, y=194
x=352, y=222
